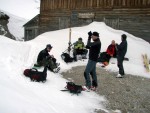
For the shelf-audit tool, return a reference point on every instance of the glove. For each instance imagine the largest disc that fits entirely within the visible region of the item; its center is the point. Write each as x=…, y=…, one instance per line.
x=87, y=47
x=48, y=57
x=116, y=45
x=90, y=33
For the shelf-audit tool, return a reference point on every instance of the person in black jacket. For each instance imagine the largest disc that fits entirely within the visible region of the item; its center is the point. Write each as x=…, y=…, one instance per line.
x=94, y=50
x=121, y=52
x=45, y=59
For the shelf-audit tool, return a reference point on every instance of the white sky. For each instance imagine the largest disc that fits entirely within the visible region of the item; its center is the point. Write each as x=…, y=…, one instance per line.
x=20, y=95
x=23, y=8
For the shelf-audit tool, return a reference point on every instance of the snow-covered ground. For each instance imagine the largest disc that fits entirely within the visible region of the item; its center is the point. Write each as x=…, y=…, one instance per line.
x=20, y=95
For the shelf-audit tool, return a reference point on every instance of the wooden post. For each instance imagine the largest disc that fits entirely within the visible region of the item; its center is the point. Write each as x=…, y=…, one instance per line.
x=69, y=43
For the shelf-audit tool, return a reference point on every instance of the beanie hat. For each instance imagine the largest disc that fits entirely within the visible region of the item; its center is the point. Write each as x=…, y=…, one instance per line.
x=48, y=46
x=80, y=38
x=96, y=34
x=124, y=36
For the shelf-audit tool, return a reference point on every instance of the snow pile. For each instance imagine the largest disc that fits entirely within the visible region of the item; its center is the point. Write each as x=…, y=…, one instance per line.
x=20, y=95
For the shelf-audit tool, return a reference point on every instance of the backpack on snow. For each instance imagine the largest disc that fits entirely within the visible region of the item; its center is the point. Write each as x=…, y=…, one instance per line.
x=73, y=88
x=35, y=75
x=66, y=57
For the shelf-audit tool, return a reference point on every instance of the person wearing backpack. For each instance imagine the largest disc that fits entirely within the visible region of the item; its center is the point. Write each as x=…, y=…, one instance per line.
x=94, y=50
x=45, y=59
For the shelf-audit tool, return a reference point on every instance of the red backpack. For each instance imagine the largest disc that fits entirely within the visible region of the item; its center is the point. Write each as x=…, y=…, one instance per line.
x=35, y=75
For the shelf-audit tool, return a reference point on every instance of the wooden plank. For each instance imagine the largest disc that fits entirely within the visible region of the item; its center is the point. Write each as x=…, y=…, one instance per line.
x=146, y=62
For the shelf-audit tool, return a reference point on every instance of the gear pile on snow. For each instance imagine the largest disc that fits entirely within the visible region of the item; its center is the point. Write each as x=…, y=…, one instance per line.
x=35, y=75
x=73, y=88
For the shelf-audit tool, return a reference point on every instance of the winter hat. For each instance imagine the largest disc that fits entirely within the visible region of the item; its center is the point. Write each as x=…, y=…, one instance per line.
x=80, y=38
x=124, y=36
x=48, y=46
x=96, y=34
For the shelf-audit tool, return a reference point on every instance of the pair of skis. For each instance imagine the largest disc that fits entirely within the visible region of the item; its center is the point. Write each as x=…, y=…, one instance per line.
x=146, y=62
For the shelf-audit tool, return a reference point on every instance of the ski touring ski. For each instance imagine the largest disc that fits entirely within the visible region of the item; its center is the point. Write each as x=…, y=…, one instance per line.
x=146, y=62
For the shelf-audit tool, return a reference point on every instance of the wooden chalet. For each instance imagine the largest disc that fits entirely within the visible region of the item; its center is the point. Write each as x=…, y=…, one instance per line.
x=132, y=16
x=31, y=28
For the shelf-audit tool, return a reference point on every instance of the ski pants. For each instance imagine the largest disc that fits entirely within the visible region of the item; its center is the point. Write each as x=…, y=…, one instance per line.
x=120, y=65
x=79, y=52
x=51, y=63
x=90, y=69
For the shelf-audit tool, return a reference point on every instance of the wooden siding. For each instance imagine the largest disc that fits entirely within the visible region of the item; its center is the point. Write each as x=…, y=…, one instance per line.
x=31, y=28
x=119, y=14
x=84, y=4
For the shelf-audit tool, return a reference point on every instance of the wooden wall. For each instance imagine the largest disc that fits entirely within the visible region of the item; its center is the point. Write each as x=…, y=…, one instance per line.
x=84, y=4
x=74, y=4
x=130, y=15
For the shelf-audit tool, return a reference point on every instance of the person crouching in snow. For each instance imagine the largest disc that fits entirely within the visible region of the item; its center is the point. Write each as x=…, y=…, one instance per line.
x=110, y=52
x=79, y=49
x=45, y=59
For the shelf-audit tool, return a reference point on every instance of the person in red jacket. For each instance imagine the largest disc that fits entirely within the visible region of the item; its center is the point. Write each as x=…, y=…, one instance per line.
x=110, y=52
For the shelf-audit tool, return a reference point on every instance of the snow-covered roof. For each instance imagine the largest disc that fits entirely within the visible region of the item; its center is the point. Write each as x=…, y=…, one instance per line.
x=3, y=16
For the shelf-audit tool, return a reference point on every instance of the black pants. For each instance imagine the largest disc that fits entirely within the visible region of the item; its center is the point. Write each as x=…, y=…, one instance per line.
x=50, y=62
x=120, y=65
x=104, y=57
x=79, y=52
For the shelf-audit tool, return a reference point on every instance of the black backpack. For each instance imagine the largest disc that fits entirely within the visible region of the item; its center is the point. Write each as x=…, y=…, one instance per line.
x=73, y=88
x=66, y=57
x=35, y=75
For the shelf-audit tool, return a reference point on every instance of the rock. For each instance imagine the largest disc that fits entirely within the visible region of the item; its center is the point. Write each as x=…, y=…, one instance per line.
x=4, y=20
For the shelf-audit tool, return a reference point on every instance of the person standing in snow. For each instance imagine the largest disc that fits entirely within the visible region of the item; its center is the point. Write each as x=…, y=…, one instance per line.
x=94, y=50
x=45, y=59
x=121, y=52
